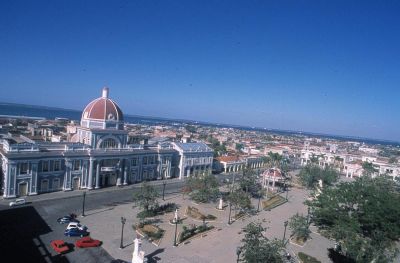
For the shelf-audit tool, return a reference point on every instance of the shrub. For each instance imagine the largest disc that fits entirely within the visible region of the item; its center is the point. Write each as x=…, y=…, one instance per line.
x=307, y=259
x=193, y=230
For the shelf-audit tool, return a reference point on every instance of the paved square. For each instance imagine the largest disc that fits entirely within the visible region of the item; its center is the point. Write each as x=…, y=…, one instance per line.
x=217, y=246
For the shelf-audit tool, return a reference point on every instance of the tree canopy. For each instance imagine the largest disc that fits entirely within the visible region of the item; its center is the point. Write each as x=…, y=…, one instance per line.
x=249, y=181
x=311, y=174
x=202, y=188
x=363, y=216
x=299, y=226
x=146, y=198
x=258, y=248
x=369, y=169
x=239, y=199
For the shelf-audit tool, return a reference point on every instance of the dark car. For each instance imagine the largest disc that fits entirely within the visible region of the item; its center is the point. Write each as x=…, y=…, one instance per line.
x=76, y=232
x=67, y=219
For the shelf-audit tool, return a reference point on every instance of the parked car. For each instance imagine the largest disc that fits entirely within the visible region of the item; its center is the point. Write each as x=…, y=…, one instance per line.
x=76, y=232
x=19, y=201
x=67, y=219
x=60, y=246
x=76, y=225
x=87, y=242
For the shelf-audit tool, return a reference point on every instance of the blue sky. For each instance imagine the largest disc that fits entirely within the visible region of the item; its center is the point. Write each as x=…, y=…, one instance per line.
x=319, y=66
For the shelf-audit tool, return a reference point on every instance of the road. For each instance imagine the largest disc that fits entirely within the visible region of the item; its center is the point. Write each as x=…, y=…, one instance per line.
x=43, y=210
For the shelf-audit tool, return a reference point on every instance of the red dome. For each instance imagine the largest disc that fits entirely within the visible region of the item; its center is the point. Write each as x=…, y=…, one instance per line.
x=103, y=108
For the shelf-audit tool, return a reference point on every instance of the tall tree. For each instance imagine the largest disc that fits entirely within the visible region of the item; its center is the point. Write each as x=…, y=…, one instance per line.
x=311, y=174
x=258, y=248
x=369, y=169
x=146, y=198
x=249, y=181
x=239, y=199
x=203, y=188
x=299, y=226
x=363, y=216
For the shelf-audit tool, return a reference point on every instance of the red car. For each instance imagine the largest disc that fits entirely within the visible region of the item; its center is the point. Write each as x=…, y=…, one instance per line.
x=87, y=242
x=60, y=246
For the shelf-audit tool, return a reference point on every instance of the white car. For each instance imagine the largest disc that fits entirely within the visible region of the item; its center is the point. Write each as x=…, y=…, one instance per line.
x=76, y=225
x=19, y=201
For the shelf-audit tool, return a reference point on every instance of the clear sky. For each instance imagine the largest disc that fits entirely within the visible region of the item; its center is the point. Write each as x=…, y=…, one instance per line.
x=319, y=66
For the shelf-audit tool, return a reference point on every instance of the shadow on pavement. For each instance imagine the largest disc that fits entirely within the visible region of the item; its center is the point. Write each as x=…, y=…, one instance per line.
x=337, y=257
x=98, y=212
x=20, y=240
x=152, y=257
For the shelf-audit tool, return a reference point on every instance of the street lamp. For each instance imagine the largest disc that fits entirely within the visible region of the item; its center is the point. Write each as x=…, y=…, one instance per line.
x=163, y=190
x=284, y=233
x=308, y=215
x=287, y=190
x=259, y=200
x=238, y=251
x=230, y=210
x=123, y=221
x=176, y=230
x=83, y=204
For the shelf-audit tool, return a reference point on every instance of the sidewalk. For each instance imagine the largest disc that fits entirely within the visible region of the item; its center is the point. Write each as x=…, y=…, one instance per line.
x=70, y=194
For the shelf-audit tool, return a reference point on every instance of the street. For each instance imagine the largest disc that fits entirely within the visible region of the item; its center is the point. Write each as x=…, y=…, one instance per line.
x=41, y=212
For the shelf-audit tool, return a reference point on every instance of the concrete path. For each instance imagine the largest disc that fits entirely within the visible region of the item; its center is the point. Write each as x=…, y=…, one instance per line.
x=217, y=246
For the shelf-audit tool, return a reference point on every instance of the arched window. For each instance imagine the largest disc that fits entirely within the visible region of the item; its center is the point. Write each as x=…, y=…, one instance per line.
x=109, y=143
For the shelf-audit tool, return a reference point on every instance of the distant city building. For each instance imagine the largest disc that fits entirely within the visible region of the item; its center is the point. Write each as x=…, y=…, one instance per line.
x=98, y=154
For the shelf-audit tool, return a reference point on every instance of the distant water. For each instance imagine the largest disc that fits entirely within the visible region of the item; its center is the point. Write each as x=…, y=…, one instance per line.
x=11, y=109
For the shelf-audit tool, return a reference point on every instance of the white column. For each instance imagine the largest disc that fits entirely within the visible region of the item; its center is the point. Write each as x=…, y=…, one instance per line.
x=67, y=176
x=34, y=178
x=125, y=171
x=90, y=181
x=98, y=175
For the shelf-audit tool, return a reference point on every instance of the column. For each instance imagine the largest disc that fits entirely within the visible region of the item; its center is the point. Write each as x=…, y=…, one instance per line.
x=34, y=178
x=5, y=193
x=97, y=175
x=67, y=175
x=11, y=179
x=90, y=181
x=125, y=171
x=119, y=172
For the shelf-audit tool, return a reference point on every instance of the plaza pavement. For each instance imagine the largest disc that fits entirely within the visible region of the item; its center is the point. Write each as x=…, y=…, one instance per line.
x=217, y=246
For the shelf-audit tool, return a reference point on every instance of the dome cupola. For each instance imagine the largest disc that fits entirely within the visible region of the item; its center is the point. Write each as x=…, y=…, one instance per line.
x=102, y=113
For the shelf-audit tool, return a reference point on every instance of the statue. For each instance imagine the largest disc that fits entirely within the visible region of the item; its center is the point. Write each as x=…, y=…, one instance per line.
x=320, y=183
x=220, y=206
x=138, y=255
x=176, y=216
x=319, y=188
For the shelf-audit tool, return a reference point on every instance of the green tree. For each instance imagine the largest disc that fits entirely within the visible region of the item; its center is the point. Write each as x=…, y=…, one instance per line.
x=311, y=174
x=369, y=169
x=239, y=146
x=258, y=248
x=191, y=128
x=299, y=226
x=363, y=216
x=146, y=198
x=249, y=181
x=239, y=199
x=202, y=188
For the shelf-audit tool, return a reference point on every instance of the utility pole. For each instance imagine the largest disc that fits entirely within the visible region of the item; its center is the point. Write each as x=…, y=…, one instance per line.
x=83, y=204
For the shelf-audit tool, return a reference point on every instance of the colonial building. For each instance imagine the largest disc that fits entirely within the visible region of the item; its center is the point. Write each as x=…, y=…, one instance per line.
x=97, y=155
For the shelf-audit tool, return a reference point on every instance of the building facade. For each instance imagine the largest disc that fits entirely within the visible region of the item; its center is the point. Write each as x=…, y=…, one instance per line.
x=97, y=155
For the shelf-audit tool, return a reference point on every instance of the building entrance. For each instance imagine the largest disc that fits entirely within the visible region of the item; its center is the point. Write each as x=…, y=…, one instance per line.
x=108, y=179
x=75, y=184
x=23, y=189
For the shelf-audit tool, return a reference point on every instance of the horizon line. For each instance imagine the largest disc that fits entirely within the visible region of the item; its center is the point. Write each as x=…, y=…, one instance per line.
x=310, y=133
